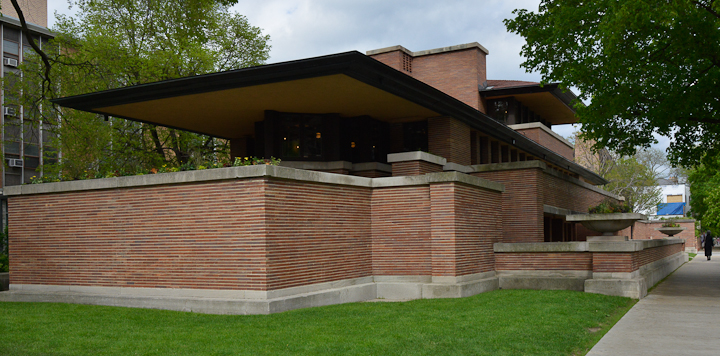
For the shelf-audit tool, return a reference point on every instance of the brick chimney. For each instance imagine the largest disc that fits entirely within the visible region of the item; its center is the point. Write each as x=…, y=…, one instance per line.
x=457, y=70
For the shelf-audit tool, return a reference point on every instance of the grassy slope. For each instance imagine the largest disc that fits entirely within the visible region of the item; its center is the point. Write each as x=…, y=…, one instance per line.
x=503, y=322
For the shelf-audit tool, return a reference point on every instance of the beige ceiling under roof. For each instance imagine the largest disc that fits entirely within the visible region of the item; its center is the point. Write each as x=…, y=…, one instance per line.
x=546, y=105
x=231, y=113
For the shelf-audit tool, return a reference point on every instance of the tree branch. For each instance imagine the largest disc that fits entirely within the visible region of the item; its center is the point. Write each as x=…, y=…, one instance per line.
x=707, y=7
x=26, y=32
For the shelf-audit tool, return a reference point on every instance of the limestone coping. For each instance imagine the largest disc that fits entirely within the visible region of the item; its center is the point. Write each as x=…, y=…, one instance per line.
x=416, y=156
x=430, y=51
x=247, y=172
x=452, y=166
x=585, y=246
x=538, y=125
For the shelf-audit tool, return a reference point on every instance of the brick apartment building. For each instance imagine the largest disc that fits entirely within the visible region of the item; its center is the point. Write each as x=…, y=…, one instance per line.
x=404, y=175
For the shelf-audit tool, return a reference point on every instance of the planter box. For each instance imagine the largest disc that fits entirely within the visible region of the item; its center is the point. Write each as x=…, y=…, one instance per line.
x=607, y=224
x=671, y=231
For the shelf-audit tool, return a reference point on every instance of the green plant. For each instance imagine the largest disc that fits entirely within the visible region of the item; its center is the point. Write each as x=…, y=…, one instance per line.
x=250, y=161
x=670, y=224
x=4, y=251
x=609, y=206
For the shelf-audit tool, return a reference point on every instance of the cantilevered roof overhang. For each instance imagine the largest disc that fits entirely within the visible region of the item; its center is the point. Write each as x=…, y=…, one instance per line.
x=549, y=101
x=227, y=104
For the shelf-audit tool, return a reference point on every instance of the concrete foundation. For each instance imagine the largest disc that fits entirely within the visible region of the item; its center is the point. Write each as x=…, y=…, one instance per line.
x=260, y=302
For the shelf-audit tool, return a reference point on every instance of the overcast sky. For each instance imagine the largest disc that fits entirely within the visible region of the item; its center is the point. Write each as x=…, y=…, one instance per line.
x=309, y=28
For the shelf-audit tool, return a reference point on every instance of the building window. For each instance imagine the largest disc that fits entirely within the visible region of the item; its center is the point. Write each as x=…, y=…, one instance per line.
x=415, y=136
x=498, y=110
x=302, y=136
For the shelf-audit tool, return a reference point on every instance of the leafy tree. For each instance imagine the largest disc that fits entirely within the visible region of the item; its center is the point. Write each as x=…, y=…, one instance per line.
x=117, y=43
x=633, y=179
x=705, y=192
x=648, y=67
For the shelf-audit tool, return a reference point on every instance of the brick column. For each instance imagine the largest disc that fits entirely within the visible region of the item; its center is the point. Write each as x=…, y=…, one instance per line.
x=449, y=138
x=415, y=163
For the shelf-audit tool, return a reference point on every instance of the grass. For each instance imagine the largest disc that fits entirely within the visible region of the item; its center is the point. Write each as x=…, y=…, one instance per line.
x=692, y=255
x=503, y=322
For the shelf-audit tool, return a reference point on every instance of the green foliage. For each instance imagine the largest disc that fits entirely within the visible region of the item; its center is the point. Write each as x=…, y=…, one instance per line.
x=648, y=67
x=610, y=206
x=249, y=161
x=503, y=322
x=4, y=251
x=109, y=44
x=704, y=183
x=670, y=224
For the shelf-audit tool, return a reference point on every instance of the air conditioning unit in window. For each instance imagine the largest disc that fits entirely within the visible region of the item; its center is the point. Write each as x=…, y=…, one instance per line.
x=9, y=111
x=13, y=162
x=12, y=62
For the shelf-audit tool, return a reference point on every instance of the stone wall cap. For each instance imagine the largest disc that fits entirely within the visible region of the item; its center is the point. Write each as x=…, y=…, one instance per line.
x=249, y=172
x=538, y=125
x=416, y=156
x=595, y=217
x=459, y=47
x=435, y=178
x=452, y=166
x=573, y=246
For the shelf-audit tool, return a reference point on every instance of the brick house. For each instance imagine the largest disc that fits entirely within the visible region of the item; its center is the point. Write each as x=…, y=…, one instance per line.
x=405, y=175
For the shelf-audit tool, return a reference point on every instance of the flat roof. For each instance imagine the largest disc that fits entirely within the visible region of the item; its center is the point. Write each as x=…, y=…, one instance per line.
x=227, y=104
x=552, y=103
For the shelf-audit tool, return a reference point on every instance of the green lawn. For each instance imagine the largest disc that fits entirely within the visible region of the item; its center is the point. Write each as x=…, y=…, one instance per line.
x=503, y=322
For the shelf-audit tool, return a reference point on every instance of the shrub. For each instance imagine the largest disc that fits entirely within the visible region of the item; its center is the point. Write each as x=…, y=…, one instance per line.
x=4, y=262
x=670, y=224
x=608, y=206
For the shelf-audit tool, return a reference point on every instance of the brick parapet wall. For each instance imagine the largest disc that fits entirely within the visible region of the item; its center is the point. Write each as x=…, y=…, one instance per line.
x=273, y=229
x=632, y=261
x=465, y=225
x=549, y=141
x=579, y=256
x=522, y=209
x=206, y=236
x=401, y=226
x=566, y=194
x=414, y=168
x=316, y=233
x=544, y=261
x=645, y=230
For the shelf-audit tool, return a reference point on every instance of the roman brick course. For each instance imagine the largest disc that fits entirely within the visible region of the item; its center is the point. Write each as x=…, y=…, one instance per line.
x=450, y=139
x=414, y=168
x=521, y=204
x=549, y=141
x=316, y=233
x=401, y=224
x=207, y=236
x=540, y=261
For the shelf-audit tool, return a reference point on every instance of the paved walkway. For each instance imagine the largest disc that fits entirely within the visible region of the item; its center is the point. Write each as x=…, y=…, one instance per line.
x=679, y=317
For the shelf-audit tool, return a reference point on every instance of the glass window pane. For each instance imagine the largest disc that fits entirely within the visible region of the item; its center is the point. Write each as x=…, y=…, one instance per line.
x=11, y=47
x=12, y=147
x=32, y=150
